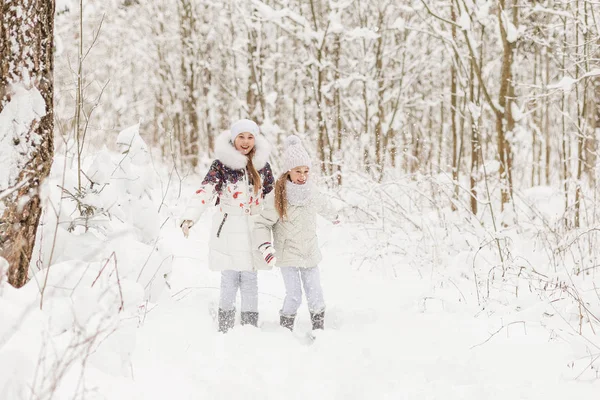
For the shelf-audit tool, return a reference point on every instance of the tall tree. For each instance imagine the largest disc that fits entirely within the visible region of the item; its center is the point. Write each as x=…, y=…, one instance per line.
x=26, y=125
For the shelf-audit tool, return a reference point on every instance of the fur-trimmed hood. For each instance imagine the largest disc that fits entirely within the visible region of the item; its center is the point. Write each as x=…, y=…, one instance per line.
x=230, y=157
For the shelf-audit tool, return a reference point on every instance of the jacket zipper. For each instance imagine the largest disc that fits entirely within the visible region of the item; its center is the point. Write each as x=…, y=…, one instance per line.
x=222, y=223
x=246, y=181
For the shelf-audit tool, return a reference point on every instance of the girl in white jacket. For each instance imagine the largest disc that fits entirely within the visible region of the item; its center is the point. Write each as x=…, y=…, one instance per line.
x=292, y=216
x=239, y=178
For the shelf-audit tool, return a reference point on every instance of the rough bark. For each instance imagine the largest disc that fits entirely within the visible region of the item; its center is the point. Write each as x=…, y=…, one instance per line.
x=26, y=57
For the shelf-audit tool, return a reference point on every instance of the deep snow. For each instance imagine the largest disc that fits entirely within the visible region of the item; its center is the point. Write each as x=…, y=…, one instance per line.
x=384, y=339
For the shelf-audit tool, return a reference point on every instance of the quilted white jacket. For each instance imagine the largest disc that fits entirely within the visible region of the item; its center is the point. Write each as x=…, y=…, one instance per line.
x=227, y=183
x=295, y=237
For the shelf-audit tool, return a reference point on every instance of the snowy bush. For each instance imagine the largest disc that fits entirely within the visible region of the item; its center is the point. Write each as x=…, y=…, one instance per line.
x=100, y=262
x=502, y=262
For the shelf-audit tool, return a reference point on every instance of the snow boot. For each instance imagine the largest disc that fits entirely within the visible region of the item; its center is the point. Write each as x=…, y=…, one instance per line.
x=287, y=322
x=226, y=320
x=318, y=320
x=249, y=318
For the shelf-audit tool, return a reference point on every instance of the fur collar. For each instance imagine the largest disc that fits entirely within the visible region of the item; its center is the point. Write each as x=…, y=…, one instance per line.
x=230, y=157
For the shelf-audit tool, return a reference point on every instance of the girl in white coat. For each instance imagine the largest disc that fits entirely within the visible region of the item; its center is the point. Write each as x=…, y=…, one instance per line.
x=239, y=179
x=292, y=216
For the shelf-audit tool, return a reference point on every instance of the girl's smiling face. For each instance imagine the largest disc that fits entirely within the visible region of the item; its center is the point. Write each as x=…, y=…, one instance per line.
x=299, y=175
x=244, y=143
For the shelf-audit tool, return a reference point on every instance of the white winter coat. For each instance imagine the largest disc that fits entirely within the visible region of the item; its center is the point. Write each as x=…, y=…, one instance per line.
x=294, y=237
x=230, y=244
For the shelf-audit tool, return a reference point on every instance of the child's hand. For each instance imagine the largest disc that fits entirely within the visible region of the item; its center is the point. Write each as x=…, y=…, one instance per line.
x=185, y=227
x=268, y=252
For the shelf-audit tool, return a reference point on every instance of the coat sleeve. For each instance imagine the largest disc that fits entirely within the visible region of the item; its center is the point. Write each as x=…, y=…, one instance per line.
x=325, y=207
x=264, y=222
x=205, y=195
x=268, y=180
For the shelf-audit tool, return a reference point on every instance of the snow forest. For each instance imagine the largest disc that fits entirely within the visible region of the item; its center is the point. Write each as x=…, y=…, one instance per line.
x=457, y=139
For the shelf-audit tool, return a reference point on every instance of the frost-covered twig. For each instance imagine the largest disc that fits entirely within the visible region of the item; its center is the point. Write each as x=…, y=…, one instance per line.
x=7, y=192
x=113, y=255
x=55, y=234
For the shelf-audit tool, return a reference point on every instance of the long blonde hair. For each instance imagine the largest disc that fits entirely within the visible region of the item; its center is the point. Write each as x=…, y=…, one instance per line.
x=281, y=195
x=256, y=182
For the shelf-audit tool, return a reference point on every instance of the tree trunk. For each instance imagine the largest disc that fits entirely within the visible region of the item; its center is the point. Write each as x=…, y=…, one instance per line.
x=379, y=78
x=564, y=157
x=453, y=108
x=505, y=101
x=251, y=92
x=582, y=102
x=366, y=158
x=535, y=161
x=475, y=145
x=548, y=144
x=440, y=151
x=210, y=135
x=324, y=146
x=188, y=71
x=338, y=108
x=255, y=94
x=26, y=59
x=595, y=133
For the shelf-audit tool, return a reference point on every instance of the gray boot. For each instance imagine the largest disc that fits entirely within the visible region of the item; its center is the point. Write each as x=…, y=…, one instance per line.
x=226, y=320
x=249, y=318
x=287, y=322
x=318, y=320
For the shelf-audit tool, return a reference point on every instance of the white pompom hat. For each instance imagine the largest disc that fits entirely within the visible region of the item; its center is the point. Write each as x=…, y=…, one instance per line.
x=294, y=154
x=243, y=125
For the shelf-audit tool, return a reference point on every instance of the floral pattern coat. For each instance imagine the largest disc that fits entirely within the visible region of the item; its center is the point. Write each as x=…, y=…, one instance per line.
x=228, y=185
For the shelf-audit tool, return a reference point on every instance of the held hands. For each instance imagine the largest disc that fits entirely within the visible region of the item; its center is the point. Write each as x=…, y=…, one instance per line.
x=185, y=227
x=268, y=252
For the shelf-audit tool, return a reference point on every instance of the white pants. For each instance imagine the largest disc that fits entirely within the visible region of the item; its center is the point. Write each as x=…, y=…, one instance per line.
x=247, y=282
x=311, y=281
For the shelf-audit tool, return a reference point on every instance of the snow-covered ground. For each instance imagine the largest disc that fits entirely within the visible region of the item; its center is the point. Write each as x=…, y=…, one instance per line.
x=383, y=340
x=401, y=322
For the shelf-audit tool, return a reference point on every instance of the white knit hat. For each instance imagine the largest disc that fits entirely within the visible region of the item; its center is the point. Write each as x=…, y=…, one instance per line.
x=294, y=154
x=241, y=126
